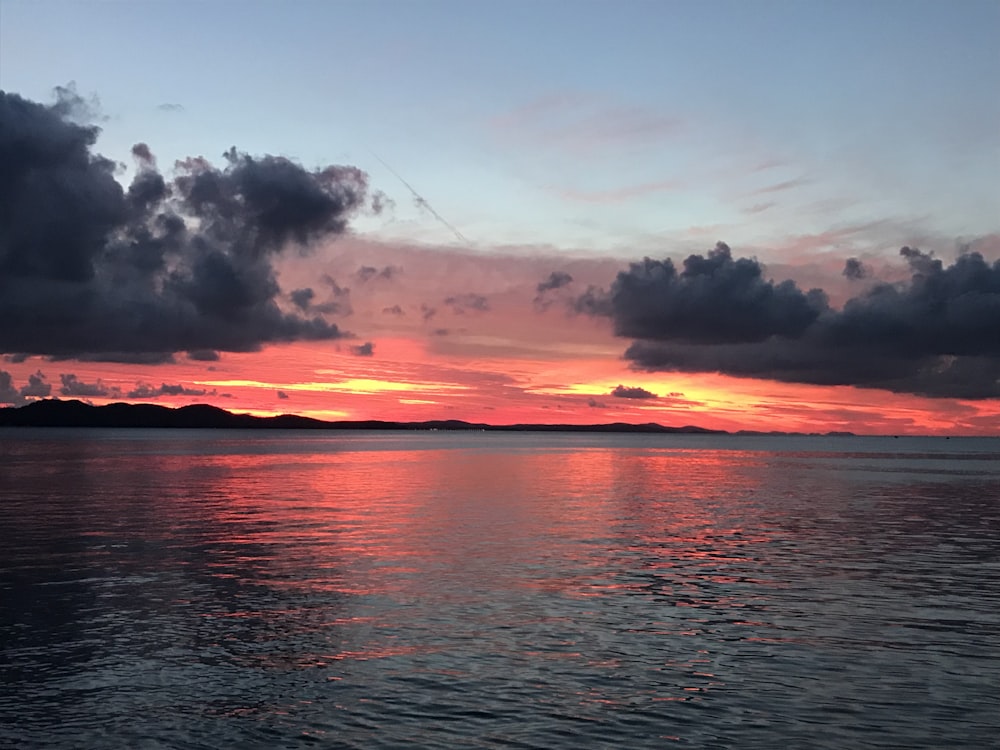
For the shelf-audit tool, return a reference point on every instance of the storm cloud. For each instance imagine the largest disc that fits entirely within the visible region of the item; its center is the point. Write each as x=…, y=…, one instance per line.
x=91, y=268
x=936, y=334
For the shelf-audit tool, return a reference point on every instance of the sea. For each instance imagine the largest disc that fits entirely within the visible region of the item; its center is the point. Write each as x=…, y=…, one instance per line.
x=270, y=589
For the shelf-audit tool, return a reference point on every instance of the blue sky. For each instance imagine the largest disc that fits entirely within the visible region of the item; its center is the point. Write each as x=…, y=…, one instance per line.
x=617, y=128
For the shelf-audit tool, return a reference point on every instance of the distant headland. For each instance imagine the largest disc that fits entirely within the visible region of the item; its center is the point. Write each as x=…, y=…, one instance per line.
x=74, y=413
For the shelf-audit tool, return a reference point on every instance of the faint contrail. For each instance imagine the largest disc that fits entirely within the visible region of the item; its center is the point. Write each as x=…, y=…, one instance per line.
x=421, y=201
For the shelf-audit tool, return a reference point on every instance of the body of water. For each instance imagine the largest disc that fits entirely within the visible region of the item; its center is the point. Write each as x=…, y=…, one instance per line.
x=215, y=589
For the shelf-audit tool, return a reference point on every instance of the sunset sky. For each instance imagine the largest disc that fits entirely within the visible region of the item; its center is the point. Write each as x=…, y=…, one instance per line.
x=441, y=210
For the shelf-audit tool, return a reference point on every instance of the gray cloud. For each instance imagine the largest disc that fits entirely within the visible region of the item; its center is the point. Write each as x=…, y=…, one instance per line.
x=282, y=395
x=366, y=349
x=469, y=302
x=147, y=391
x=367, y=273
x=37, y=387
x=594, y=301
x=556, y=280
x=302, y=298
x=88, y=268
x=937, y=334
x=854, y=269
x=622, y=391
x=8, y=393
x=73, y=386
x=394, y=310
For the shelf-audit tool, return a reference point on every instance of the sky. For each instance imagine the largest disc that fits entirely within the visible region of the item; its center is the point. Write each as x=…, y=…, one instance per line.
x=767, y=215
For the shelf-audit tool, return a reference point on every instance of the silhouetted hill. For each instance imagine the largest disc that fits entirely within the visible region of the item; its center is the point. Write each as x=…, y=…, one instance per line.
x=58, y=413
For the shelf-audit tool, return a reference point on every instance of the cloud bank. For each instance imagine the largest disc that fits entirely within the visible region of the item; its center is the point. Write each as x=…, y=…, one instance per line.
x=89, y=268
x=936, y=334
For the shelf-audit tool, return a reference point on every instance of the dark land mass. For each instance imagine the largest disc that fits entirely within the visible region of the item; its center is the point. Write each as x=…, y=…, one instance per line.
x=59, y=413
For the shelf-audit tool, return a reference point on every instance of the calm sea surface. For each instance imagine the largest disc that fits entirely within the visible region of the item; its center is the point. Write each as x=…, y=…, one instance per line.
x=216, y=589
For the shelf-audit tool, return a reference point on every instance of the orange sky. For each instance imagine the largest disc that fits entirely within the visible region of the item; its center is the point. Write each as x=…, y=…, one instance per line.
x=514, y=360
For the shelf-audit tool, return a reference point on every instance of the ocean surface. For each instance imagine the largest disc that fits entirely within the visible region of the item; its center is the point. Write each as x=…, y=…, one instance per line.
x=223, y=589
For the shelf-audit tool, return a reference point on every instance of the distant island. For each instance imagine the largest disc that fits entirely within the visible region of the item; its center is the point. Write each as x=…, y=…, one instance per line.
x=74, y=413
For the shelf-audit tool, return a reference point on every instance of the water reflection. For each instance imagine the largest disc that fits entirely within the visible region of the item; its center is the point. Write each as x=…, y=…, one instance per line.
x=490, y=590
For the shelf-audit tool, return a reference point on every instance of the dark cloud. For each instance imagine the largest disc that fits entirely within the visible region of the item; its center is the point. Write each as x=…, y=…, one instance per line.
x=36, y=387
x=556, y=280
x=937, y=334
x=127, y=358
x=380, y=202
x=147, y=391
x=90, y=268
x=8, y=393
x=714, y=300
x=339, y=300
x=73, y=386
x=427, y=312
x=203, y=355
x=462, y=303
x=302, y=298
x=854, y=269
x=594, y=301
x=366, y=349
x=282, y=395
x=593, y=403
x=394, y=310
x=622, y=391
x=367, y=273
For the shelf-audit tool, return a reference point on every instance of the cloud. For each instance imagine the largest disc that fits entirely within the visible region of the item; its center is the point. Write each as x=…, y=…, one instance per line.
x=556, y=280
x=170, y=107
x=854, y=269
x=88, y=267
x=37, y=387
x=147, y=391
x=594, y=301
x=462, y=303
x=367, y=273
x=366, y=349
x=394, y=310
x=8, y=393
x=593, y=403
x=714, y=300
x=617, y=195
x=302, y=298
x=622, y=391
x=282, y=395
x=73, y=386
x=933, y=335
x=203, y=355
x=339, y=301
